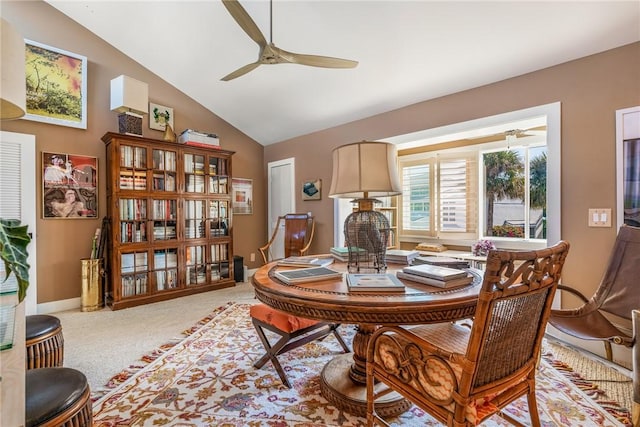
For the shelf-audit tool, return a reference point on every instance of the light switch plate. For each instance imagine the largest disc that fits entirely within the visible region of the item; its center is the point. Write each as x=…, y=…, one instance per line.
x=599, y=217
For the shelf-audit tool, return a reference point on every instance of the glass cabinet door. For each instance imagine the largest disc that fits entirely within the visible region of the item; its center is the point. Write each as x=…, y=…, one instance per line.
x=133, y=168
x=133, y=220
x=218, y=218
x=219, y=265
x=164, y=170
x=194, y=175
x=196, y=268
x=194, y=219
x=165, y=265
x=218, y=179
x=165, y=219
x=134, y=270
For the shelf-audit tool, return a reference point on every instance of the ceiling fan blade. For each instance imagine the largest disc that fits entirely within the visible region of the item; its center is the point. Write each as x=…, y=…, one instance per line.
x=316, y=60
x=244, y=20
x=241, y=71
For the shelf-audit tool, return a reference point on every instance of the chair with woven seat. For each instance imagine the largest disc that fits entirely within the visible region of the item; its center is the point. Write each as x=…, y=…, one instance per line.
x=293, y=332
x=606, y=316
x=463, y=375
x=297, y=232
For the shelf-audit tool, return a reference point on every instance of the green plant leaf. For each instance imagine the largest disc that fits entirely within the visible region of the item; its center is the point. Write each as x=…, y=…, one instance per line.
x=14, y=239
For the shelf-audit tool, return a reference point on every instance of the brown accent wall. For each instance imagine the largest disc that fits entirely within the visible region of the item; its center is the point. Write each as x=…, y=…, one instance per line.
x=590, y=90
x=61, y=244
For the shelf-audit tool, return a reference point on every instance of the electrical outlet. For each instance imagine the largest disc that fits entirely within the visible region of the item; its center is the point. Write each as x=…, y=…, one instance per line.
x=252, y=256
x=599, y=217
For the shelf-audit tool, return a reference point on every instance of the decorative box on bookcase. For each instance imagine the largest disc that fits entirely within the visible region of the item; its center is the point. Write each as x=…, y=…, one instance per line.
x=170, y=221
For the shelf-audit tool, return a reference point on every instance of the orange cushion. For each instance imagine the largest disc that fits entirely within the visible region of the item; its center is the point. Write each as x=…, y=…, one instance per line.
x=283, y=321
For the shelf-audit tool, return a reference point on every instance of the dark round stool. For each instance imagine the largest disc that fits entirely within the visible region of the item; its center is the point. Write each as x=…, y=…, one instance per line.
x=44, y=341
x=57, y=397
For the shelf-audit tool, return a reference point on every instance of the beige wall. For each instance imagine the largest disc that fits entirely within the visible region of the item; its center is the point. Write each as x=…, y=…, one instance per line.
x=61, y=244
x=590, y=90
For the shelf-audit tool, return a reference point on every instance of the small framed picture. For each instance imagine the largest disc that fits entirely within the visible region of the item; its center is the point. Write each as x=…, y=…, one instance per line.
x=242, y=196
x=312, y=190
x=160, y=116
x=56, y=83
x=69, y=186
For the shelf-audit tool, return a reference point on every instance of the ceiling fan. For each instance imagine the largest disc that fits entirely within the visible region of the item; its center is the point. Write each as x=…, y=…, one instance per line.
x=269, y=53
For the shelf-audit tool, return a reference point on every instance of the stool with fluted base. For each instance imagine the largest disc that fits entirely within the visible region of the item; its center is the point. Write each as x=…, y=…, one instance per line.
x=44, y=341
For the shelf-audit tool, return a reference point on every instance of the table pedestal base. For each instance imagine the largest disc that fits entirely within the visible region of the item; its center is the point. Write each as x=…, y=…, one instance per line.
x=339, y=389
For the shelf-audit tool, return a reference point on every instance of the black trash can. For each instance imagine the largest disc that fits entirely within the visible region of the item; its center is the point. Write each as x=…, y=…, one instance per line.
x=238, y=268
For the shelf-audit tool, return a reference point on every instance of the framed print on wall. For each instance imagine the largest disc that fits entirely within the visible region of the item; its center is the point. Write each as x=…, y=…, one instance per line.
x=160, y=116
x=242, y=196
x=56, y=85
x=312, y=190
x=69, y=186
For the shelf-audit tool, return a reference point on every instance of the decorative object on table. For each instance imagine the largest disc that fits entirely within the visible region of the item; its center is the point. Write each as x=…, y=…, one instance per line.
x=431, y=247
x=374, y=282
x=305, y=275
x=13, y=101
x=69, y=186
x=482, y=247
x=130, y=98
x=311, y=190
x=242, y=196
x=56, y=85
x=199, y=139
x=363, y=171
x=160, y=116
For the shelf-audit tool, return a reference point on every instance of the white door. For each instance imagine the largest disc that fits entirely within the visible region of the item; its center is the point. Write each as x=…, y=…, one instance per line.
x=282, y=200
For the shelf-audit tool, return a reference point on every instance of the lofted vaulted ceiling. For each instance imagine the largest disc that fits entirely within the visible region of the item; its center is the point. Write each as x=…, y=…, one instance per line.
x=408, y=51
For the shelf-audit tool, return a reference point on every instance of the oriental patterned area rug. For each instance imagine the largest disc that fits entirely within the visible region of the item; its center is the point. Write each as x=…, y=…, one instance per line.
x=207, y=379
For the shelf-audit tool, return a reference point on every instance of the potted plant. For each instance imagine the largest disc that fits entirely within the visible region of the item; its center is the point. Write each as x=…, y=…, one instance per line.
x=14, y=239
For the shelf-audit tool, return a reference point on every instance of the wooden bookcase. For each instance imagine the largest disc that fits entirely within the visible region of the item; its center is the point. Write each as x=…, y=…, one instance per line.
x=169, y=214
x=389, y=208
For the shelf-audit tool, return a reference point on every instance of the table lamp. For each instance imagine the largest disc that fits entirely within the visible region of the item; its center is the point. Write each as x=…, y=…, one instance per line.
x=363, y=171
x=13, y=92
x=129, y=97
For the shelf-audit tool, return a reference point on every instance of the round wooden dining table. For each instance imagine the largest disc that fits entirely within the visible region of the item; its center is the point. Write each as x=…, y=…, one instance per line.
x=343, y=378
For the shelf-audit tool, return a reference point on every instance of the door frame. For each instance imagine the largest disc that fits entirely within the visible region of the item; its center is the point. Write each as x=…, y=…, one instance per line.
x=283, y=190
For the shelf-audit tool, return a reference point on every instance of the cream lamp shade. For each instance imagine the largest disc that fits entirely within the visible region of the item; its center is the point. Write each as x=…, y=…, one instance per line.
x=363, y=171
x=130, y=97
x=13, y=92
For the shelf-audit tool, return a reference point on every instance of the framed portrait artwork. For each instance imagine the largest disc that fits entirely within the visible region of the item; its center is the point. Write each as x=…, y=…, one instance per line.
x=628, y=166
x=56, y=83
x=242, y=196
x=69, y=186
x=312, y=190
x=160, y=116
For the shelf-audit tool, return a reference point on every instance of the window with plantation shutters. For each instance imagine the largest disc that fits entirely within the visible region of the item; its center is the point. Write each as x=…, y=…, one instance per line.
x=416, y=197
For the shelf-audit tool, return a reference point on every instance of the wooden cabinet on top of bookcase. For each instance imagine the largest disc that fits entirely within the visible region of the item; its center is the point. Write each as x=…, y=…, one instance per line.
x=170, y=224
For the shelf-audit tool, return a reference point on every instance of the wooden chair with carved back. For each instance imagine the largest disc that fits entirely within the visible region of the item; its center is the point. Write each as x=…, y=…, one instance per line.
x=297, y=230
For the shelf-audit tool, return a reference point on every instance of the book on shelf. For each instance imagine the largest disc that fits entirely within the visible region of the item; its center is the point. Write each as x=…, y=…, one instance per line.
x=435, y=272
x=453, y=283
x=374, y=282
x=303, y=261
x=442, y=261
x=304, y=275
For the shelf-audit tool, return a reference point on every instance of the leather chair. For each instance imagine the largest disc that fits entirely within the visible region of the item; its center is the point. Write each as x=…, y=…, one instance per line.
x=617, y=295
x=297, y=231
x=293, y=332
x=463, y=375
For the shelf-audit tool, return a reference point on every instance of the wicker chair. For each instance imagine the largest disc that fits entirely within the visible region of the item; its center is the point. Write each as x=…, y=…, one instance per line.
x=298, y=234
x=463, y=375
x=617, y=295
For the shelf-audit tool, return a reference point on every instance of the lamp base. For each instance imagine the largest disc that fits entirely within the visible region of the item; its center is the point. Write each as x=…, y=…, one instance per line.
x=130, y=123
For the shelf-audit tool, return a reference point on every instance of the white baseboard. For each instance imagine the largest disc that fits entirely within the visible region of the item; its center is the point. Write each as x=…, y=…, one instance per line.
x=61, y=305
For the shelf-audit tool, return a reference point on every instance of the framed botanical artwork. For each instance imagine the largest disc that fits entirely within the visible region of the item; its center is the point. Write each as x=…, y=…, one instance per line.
x=628, y=165
x=311, y=190
x=56, y=83
x=160, y=116
x=242, y=196
x=69, y=186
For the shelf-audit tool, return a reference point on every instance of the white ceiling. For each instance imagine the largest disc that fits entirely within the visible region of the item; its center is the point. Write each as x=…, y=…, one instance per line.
x=408, y=51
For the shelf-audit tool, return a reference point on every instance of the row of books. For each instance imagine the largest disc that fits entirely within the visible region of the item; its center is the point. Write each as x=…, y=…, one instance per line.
x=133, y=262
x=134, y=285
x=164, y=160
x=133, y=157
x=133, y=181
x=164, y=182
x=131, y=232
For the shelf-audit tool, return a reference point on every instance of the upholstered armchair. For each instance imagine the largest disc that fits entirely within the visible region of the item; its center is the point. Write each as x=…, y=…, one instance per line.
x=463, y=375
